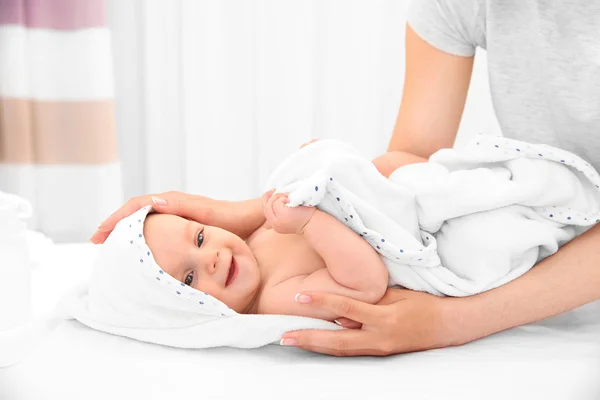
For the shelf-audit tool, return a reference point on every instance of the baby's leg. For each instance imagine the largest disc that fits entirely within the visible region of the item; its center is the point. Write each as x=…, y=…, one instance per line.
x=391, y=161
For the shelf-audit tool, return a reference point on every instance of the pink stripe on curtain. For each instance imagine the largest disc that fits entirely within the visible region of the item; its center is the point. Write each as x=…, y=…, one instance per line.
x=53, y=14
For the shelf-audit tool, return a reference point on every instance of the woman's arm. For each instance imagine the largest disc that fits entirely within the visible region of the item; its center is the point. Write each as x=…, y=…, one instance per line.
x=567, y=279
x=239, y=217
x=433, y=99
x=392, y=160
x=406, y=321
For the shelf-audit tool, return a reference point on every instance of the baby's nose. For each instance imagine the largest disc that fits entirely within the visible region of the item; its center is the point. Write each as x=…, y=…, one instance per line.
x=210, y=261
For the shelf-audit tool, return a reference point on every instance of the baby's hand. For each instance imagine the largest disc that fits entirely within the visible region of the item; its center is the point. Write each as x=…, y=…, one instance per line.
x=285, y=219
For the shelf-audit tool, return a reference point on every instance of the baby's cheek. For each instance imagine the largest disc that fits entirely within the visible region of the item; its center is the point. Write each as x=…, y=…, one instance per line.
x=213, y=290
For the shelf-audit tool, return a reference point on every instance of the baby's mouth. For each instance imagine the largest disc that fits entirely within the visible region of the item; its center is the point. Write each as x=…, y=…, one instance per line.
x=233, y=269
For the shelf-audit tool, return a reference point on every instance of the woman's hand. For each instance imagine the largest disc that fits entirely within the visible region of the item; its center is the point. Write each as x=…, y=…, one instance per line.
x=169, y=203
x=285, y=219
x=403, y=321
x=240, y=217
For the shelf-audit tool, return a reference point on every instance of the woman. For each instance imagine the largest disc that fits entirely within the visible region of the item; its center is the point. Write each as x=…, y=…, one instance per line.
x=544, y=68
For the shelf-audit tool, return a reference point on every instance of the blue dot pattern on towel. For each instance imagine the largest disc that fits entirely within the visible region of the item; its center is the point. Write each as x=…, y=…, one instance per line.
x=560, y=214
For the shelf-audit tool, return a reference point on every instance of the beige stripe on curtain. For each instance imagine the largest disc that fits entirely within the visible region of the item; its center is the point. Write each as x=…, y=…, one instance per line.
x=57, y=132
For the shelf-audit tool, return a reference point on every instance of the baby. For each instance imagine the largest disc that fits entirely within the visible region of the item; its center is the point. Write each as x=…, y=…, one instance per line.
x=297, y=249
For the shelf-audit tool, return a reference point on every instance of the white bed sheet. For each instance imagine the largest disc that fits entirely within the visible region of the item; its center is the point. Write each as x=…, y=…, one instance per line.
x=558, y=358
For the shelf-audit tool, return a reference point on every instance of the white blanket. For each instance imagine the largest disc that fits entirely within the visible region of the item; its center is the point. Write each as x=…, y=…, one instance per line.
x=465, y=222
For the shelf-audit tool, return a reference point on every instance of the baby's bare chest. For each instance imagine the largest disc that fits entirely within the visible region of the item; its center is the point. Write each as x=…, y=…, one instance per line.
x=281, y=257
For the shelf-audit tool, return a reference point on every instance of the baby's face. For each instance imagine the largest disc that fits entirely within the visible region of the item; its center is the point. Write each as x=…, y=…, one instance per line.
x=207, y=258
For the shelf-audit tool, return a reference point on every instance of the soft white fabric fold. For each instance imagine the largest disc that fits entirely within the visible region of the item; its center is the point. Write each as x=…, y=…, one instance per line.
x=467, y=221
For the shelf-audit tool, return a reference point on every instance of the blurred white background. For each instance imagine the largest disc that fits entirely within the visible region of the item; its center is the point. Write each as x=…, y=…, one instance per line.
x=209, y=97
x=212, y=95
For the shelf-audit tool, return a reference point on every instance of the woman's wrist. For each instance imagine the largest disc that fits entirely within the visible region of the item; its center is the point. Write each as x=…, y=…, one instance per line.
x=251, y=214
x=458, y=320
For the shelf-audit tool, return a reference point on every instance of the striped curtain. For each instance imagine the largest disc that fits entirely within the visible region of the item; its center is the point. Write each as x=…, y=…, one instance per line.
x=58, y=145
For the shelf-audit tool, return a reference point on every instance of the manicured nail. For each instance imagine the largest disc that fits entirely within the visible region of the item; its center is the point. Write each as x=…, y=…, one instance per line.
x=302, y=298
x=158, y=201
x=288, y=342
x=337, y=322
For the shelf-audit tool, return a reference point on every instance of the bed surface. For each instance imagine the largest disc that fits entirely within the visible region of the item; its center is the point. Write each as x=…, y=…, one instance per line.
x=558, y=358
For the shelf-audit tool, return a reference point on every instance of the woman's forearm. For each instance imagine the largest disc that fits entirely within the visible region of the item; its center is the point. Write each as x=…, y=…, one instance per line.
x=252, y=215
x=566, y=280
x=239, y=217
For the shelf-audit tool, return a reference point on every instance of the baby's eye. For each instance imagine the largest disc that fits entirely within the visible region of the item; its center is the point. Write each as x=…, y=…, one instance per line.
x=189, y=279
x=200, y=239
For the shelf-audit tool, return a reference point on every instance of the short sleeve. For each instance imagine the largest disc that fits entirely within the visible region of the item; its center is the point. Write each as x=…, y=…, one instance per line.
x=452, y=26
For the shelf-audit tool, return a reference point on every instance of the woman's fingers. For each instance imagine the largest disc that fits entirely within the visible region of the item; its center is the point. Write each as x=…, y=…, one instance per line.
x=169, y=203
x=335, y=343
x=355, y=310
x=348, y=323
x=99, y=237
x=108, y=224
x=307, y=143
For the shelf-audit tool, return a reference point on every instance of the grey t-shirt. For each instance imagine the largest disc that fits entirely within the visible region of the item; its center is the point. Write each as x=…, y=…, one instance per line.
x=543, y=61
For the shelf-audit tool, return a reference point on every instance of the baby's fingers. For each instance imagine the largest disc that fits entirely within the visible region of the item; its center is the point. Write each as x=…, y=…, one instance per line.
x=277, y=201
x=266, y=197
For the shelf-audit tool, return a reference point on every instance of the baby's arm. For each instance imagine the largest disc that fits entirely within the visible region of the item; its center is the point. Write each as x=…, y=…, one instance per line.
x=354, y=268
x=350, y=260
x=391, y=161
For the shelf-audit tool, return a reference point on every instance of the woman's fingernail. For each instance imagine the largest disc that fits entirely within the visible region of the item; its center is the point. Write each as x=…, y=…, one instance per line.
x=158, y=201
x=288, y=342
x=337, y=322
x=302, y=298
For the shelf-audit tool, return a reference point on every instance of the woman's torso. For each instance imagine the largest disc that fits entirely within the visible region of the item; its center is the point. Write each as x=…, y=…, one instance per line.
x=543, y=63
